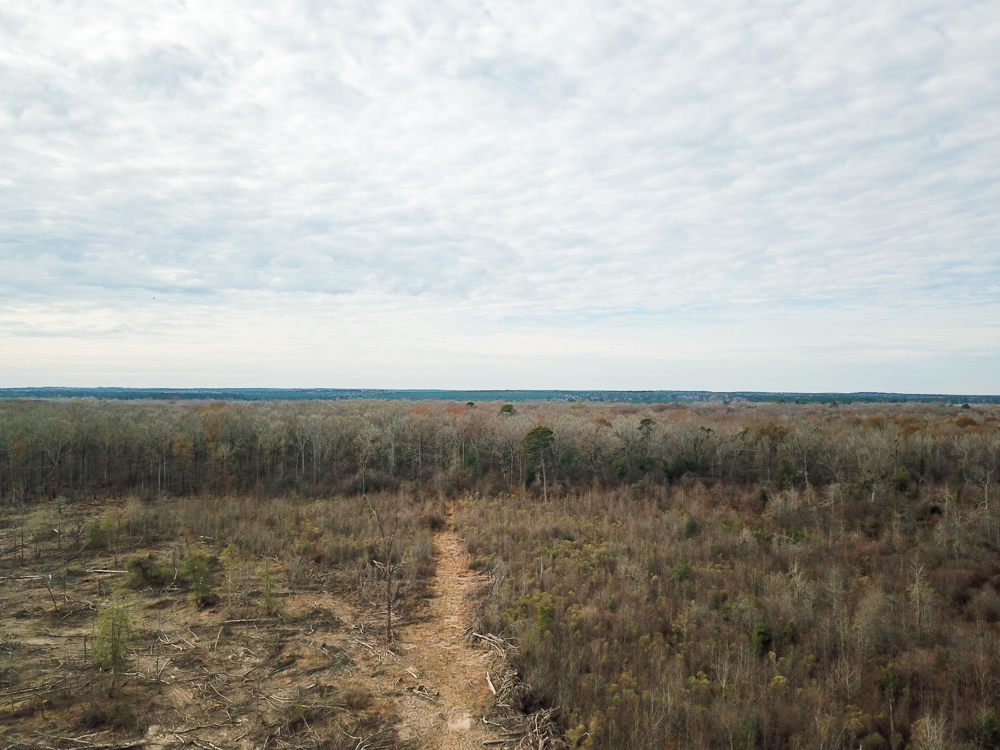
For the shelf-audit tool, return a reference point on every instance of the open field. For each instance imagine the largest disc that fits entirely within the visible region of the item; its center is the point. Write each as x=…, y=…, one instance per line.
x=783, y=576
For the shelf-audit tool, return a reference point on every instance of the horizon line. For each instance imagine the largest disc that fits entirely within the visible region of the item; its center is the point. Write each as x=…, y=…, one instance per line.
x=541, y=394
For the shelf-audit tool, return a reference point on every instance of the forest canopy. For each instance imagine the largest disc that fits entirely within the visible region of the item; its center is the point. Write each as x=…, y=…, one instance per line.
x=83, y=446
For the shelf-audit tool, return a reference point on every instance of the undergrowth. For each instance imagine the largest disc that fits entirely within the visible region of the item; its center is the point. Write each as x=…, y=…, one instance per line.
x=753, y=627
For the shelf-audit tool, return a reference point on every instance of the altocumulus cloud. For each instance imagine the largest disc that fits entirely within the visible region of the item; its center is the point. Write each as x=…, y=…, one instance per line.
x=787, y=195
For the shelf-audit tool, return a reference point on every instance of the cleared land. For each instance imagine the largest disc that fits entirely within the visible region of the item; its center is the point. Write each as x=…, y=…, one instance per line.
x=272, y=657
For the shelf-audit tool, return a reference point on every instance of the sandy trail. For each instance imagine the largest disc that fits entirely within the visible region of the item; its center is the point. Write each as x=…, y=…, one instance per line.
x=446, y=665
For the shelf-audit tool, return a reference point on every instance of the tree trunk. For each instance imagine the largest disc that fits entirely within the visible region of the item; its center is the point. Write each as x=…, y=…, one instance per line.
x=388, y=601
x=545, y=489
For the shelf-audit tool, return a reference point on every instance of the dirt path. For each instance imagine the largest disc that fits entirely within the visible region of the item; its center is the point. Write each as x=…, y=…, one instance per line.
x=451, y=671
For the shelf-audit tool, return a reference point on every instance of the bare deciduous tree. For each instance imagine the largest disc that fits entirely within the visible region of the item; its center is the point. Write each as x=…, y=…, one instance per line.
x=387, y=564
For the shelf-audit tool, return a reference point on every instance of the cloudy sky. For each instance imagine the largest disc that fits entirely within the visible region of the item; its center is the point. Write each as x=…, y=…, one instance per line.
x=709, y=195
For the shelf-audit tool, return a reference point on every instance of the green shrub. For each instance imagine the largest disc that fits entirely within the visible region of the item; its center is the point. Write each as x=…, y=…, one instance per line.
x=198, y=569
x=789, y=634
x=543, y=617
x=145, y=571
x=682, y=570
x=761, y=638
x=268, y=604
x=113, y=637
x=874, y=741
x=901, y=480
x=983, y=732
x=891, y=682
x=99, y=533
x=692, y=527
x=750, y=735
x=677, y=467
x=786, y=474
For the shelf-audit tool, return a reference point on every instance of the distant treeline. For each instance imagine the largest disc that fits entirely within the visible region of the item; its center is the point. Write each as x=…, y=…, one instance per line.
x=84, y=447
x=342, y=394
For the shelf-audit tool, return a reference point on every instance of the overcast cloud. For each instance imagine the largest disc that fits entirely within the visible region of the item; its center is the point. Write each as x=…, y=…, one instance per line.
x=720, y=195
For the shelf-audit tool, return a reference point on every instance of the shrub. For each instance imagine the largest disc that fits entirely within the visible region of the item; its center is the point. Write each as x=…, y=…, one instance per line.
x=789, y=634
x=682, y=570
x=901, y=479
x=296, y=719
x=786, y=474
x=113, y=636
x=750, y=735
x=114, y=714
x=874, y=741
x=983, y=732
x=543, y=617
x=268, y=604
x=145, y=571
x=355, y=697
x=692, y=527
x=678, y=466
x=197, y=569
x=761, y=638
x=99, y=533
x=891, y=682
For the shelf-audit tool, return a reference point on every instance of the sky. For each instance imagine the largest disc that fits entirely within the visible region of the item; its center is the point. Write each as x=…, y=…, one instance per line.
x=713, y=195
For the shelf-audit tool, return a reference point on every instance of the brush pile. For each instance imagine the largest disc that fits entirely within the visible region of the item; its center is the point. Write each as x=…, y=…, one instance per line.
x=513, y=718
